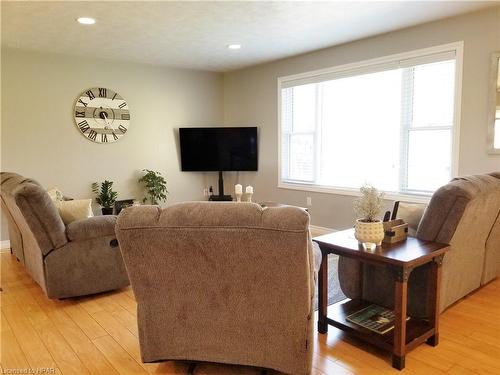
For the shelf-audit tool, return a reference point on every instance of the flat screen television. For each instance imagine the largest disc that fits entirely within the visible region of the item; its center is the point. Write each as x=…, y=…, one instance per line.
x=218, y=149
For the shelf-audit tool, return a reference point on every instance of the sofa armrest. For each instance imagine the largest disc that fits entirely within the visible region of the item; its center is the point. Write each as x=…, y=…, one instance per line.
x=92, y=227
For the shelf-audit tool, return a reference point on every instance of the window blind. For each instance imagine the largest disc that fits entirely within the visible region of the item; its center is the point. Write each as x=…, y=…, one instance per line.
x=321, y=76
x=374, y=123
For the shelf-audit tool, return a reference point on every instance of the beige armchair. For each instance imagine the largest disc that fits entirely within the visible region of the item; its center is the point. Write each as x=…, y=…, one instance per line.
x=464, y=213
x=222, y=282
x=66, y=261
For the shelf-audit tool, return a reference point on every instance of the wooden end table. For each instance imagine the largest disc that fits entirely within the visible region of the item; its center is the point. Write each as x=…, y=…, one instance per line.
x=399, y=258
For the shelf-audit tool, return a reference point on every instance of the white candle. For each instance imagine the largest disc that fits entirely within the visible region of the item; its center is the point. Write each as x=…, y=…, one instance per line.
x=238, y=189
x=249, y=190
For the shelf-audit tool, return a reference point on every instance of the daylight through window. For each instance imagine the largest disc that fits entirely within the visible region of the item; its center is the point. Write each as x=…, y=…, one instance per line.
x=390, y=125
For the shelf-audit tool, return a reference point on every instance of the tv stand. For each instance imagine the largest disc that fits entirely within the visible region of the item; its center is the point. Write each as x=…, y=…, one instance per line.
x=221, y=197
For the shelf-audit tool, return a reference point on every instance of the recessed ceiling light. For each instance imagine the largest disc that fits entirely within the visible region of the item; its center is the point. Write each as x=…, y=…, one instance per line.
x=86, y=20
x=234, y=46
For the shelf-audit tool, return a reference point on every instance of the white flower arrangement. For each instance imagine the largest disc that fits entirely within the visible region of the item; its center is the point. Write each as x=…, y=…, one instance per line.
x=369, y=205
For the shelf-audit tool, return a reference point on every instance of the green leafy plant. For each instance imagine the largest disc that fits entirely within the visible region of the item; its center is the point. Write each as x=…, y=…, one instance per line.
x=105, y=196
x=369, y=205
x=156, y=186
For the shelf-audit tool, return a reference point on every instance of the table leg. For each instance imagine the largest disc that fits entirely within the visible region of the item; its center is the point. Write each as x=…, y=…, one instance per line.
x=433, y=293
x=400, y=303
x=361, y=271
x=323, y=293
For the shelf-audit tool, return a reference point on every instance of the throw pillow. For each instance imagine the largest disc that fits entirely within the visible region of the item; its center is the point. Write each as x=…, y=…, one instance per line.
x=411, y=213
x=74, y=210
x=55, y=194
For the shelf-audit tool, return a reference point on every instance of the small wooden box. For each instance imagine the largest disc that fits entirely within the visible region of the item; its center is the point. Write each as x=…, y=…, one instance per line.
x=395, y=231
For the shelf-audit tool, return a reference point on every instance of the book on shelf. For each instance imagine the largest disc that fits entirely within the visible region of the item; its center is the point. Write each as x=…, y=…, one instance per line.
x=374, y=318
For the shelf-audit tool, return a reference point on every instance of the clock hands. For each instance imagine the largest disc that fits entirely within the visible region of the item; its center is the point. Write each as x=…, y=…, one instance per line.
x=107, y=122
x=104, y=116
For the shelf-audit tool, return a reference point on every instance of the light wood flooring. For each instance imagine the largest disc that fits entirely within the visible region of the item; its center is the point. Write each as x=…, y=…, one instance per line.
x=98, y=335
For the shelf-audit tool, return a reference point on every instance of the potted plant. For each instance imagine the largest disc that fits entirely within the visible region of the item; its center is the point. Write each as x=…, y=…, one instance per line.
x=156, y=186
x=368, y=228
x=106, y=197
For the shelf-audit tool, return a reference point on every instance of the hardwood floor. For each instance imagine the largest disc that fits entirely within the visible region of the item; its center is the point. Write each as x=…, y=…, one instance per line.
x=98, y=335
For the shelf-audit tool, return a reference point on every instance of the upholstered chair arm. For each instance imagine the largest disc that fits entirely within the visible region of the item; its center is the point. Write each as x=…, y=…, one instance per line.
x=92, y=227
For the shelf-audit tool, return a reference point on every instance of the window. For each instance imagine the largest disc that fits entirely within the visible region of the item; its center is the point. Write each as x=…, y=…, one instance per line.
x=390, y=124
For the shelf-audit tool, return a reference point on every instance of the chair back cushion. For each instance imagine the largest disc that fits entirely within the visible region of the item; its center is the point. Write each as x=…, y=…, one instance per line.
x=221, y=282
x=465, y=213
x=27, y=198
x=452, y=202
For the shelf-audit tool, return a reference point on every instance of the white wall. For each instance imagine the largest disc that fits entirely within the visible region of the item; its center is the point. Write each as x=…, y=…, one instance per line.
x=40, y=139
x=250, y=97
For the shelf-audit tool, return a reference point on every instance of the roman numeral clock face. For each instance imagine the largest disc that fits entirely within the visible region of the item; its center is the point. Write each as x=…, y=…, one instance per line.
x=102, y=115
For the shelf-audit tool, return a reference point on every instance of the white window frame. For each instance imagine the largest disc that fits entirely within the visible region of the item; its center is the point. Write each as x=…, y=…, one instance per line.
x=456, y=47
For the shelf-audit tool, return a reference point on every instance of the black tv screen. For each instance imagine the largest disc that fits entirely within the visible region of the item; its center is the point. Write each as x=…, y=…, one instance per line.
x=218, y=149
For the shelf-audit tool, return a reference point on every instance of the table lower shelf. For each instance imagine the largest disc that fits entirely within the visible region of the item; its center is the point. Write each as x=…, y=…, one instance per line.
x=417, y=330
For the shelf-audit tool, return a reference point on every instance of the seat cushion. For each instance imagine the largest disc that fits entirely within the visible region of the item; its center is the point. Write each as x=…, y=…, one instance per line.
x=97, y=226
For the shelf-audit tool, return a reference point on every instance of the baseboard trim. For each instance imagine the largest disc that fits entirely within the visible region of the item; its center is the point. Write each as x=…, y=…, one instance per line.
x=318, y=231
x=5, y=246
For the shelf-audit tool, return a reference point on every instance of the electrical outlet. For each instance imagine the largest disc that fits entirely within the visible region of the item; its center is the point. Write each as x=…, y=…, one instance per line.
x=309, y=201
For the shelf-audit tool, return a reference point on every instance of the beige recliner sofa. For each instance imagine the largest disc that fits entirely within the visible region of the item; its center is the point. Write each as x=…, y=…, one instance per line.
x=66, y=261
x=465, y=213
x=222, y=282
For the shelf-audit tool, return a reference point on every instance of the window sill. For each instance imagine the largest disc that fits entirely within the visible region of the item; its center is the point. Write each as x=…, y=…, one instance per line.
x=493, y=151
x=352, y=192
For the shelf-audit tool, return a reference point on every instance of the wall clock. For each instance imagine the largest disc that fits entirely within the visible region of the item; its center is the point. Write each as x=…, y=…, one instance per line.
x=102, y=115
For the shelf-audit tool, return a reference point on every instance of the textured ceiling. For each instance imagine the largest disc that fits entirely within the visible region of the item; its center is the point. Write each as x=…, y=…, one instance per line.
x=195, y=34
